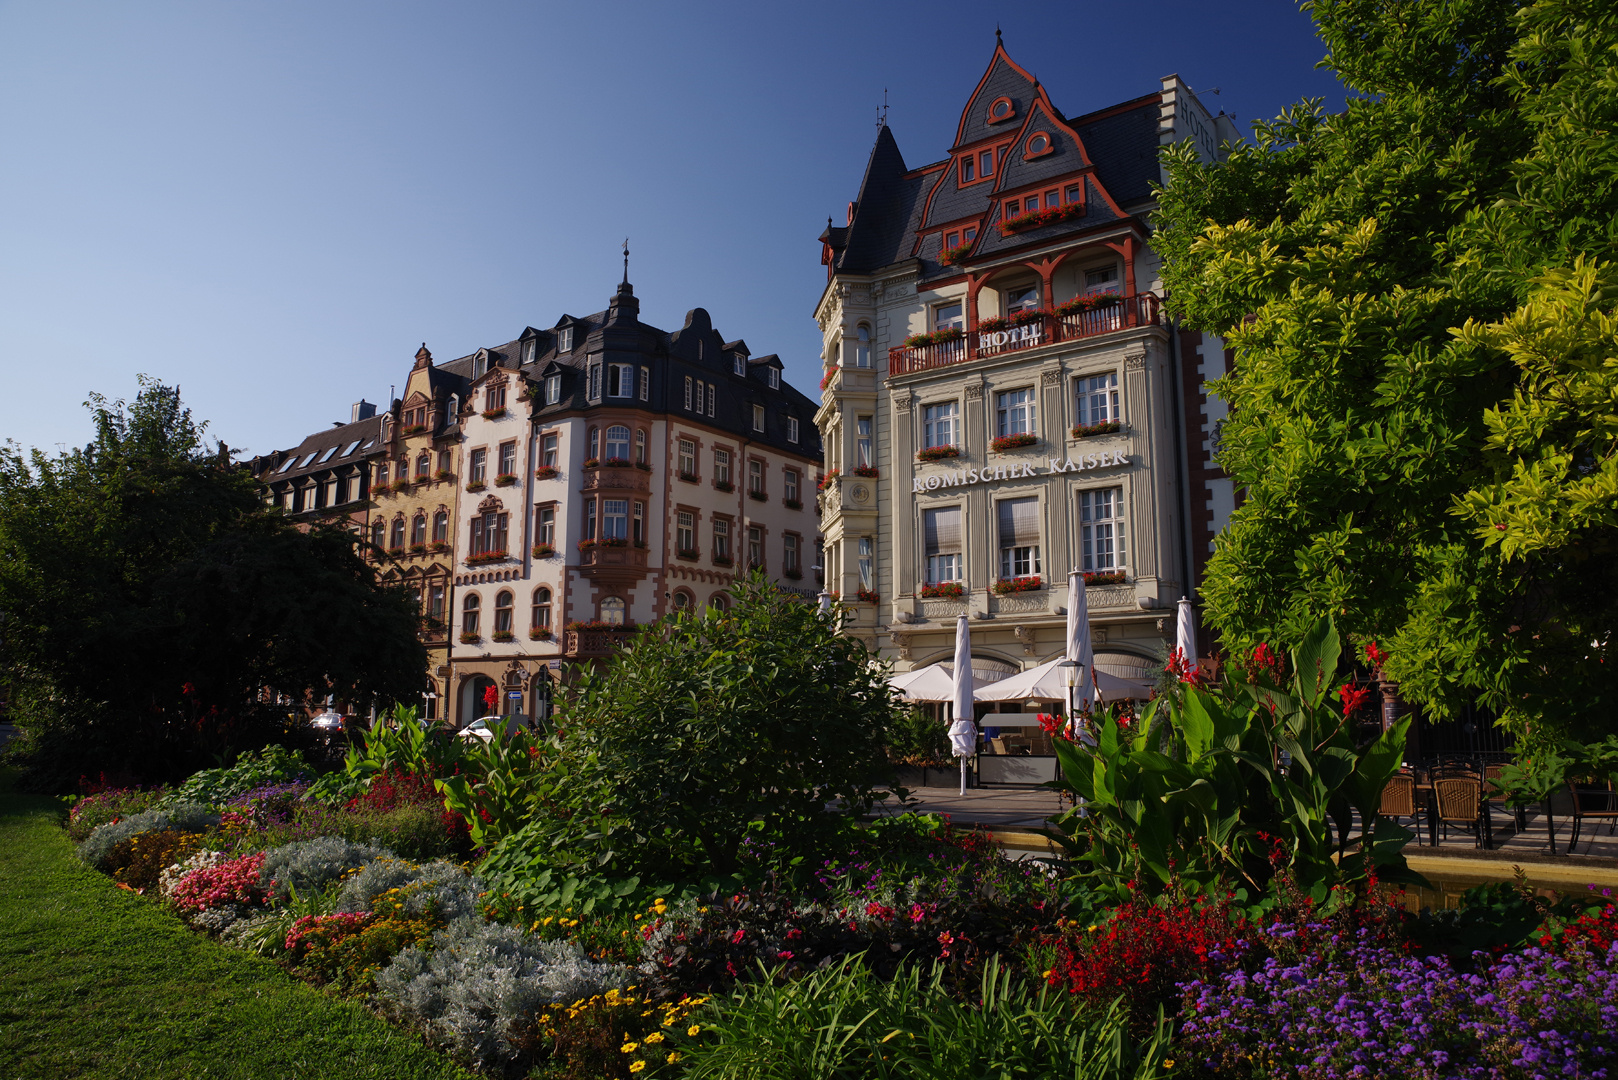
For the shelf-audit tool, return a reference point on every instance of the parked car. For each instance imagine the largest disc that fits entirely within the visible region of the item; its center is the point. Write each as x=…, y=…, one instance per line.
x=328, y=722
x=483, y=727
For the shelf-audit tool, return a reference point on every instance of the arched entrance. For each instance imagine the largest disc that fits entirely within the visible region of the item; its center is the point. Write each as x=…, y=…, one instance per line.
x=471, y=704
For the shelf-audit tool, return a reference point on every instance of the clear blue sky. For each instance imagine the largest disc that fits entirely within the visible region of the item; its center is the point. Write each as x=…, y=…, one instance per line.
x=274, y=203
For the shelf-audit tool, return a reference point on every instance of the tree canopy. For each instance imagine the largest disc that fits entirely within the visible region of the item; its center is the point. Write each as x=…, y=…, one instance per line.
x=1420, y=296
x=153, y=606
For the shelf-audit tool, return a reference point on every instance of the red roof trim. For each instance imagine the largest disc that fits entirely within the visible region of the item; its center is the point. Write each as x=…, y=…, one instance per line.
x=999, y=54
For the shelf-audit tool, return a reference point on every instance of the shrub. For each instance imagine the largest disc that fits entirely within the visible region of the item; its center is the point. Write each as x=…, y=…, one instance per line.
x=216, y=787
x=139, y=861
x=482, y=984
x=185, y=817
x=108, y=806
x=918, y=739
x=311, y=865
x=437, y=885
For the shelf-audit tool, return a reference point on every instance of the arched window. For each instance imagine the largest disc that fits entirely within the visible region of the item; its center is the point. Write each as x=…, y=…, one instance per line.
x=502, y=612
x=640, y=446
x=683, y=600
x=862, y=346
x=424, y=464
x=719, y=602
x=379, y=533
x=396, y=539
x=418, y=530
x=542, y=609
x=469, y=614
x=618, y=443
x=441, y=527
x=612, y=611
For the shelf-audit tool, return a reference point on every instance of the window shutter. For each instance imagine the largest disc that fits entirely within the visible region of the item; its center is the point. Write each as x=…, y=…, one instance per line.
x=942, y=530
x=1019, y=522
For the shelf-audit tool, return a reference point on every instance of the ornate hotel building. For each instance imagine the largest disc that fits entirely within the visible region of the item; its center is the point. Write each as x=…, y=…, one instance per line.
x=1004, y=398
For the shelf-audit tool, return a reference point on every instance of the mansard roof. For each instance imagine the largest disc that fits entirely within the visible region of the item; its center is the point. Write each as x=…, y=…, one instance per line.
x=336, y=447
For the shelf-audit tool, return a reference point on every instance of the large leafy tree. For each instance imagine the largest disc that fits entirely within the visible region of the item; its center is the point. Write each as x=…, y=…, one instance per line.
x=1401, y=281
x=153, y=607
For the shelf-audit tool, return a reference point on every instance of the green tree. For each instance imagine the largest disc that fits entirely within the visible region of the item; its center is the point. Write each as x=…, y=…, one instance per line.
x=1365, y=267
x=760, y=720
x=150, y=600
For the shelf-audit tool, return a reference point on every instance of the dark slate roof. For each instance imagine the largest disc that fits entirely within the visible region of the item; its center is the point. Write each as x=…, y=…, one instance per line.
x=1096, y=212
x=367, y=433
x=881, y=232
x=1003, y=79
x=1123, y=144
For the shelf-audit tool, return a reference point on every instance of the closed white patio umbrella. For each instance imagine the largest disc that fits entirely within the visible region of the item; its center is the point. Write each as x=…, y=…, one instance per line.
x=963, y=733
x=1185, y=632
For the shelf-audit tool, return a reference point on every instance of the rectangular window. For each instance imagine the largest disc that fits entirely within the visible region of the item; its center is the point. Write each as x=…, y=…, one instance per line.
x=1098, y=399
x=758, y=418
x=549, y=450
x=495, y=397
x=789, y=554
x=721, y=466
x=688, y=393
x=620, y=380
x=1053, y=198
x=1019, y=537
x=553, y=389
x=792, y=429
x=789, y=484
x=968, y=174
x=755, y=476
x=941, y=537
x=545, y=525
x=1014, y=412
x=862, y=442
x=710, y=399
x=594, y=392
x=739, y=363
x=986, y=164
x=480, y=466
x=1022, y=299
x=721, y=538
x=589, y=519
x=1101, y=529
x=755, y=546
x=615, y=519
x=639, y=524
x=970, y=234
x=775, y=378
x=1101, y=279
x=685, y=531
x=948, y=317
x=953, y=240
x=488, y=533
x=564, y=339
x=867, y=562
x=1075, y=194
x=688, y=458
x=645, y=384
x=435, y=601
x=941, y=424
x=508, y=459
x=382, y=473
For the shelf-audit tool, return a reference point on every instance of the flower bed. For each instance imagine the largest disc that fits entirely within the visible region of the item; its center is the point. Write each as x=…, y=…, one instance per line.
x=1002, y=443
x=944, y=590
x=938, y=453
x=1006, y=586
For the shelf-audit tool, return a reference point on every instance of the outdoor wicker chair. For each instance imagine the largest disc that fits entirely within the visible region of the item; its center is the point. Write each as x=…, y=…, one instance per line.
x=1593, y=800
x=1399, y=801
x=1460, y=803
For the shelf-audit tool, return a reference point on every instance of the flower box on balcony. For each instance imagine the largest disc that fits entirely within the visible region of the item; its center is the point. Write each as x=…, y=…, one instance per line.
x=591, y=463
x=689, y=477
x=505, y=480
x=644, y=466
x=792, y=573
x=414, y=429
x=470, y=639
x=1088, y=302
x=938, y=453
x=494, y=414
x=597, y=624
x=689, y=553
x=486, y=557
x=503, y=636
x=546, y=472
x=865, y=596
x=418, y=549
x=1050, y=215
x=539, y=633
x=944, y=590
x=956, y=255
x=831, y=373
x=1007, y=586
x=616, y=463
x=443, y=474
x=476, y=485
x=1003, y=443
x=870, y=472
x=937, y=337
x=724, y=485
x=825, y=481
x=606, y=541
x=1103, y=577
x=723, y=560
x=544, y=551
x=439, y=545
x=1105, y=427
x=758, y=496
x=792, y=504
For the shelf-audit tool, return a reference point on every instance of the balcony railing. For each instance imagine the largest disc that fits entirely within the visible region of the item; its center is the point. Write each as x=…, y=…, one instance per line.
x=1045, y=328
x=596, y=642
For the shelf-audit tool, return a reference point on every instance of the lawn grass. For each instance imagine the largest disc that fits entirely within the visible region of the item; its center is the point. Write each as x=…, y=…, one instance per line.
x=98, y=982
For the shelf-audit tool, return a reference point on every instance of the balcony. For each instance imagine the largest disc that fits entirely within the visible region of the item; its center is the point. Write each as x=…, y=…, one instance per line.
x=615, y=477
x=1044, y=328
x=613, y=565
x=595, y=641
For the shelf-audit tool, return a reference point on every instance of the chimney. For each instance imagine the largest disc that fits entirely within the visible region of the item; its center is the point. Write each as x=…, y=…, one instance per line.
x=363, y=410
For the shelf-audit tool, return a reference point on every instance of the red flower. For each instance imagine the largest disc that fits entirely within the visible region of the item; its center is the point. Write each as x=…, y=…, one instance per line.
x=1378, y=657
x=1353, y=697
x=491, y=697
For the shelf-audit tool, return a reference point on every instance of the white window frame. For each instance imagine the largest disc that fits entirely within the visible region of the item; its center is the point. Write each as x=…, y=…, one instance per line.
x=1094, y=531
x=792, y=429
x=553, y=389
x=1016, y=412
x=739, y=363
x=942, y=429
x=758, y=418
x=1088, y=388
x=564, y=339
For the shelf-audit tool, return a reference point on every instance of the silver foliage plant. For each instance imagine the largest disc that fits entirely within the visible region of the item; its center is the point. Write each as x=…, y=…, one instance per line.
x=480, y=982
x=438, y=886
x=187, y=817
x=311, y=865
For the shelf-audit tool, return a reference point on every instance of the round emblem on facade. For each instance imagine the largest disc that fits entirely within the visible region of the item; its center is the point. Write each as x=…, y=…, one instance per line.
x=860, y=493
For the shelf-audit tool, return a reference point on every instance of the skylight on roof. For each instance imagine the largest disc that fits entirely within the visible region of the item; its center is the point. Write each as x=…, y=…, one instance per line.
x=330, y=450
x=289, y=463
x=306, y=461
x=350, y=449
x=368, y=445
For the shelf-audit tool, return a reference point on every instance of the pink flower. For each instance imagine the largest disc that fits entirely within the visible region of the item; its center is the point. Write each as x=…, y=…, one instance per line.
x=736, y=938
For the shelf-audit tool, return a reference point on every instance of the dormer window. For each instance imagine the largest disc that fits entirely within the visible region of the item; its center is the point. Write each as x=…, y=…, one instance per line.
x=986, y=164
x=1001, y=110
x=740, y=363
x=968, y=173
x=480, y=363
x=775, y=378
x=1039, y=143
x=553, y=389
x=529, y=350
x=564, y=339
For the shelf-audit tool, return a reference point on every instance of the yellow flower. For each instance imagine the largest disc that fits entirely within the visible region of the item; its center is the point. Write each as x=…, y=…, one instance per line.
x=629, y=1047
x=636, y=1066
x=655, y=1037
x=1168, y=1063
x=674, y=1056
x=694, y=1029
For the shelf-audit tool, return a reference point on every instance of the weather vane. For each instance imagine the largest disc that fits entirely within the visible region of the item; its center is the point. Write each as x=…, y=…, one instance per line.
x=626, y=260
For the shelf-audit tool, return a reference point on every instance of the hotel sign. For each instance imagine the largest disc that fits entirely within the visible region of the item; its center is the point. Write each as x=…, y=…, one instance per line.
x=964, y=477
